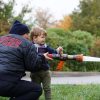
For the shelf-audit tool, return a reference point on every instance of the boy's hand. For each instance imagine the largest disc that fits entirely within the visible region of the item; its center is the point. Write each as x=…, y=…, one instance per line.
x=47, y=57
x=60, y=50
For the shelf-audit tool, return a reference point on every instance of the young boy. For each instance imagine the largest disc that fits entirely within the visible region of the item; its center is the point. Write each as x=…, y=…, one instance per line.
x=38, y=36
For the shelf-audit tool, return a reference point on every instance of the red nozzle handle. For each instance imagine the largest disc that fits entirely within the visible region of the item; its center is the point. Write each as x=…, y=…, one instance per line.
x=79, y=57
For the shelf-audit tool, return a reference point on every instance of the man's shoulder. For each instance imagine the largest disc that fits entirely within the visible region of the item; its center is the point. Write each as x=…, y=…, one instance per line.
x=25, y=42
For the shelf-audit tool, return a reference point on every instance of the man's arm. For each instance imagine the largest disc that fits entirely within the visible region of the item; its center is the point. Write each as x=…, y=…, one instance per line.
x=33, y=60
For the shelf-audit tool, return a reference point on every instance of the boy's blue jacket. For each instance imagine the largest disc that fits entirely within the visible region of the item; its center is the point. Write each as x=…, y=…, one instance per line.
x=17, y=55
x=43, y=49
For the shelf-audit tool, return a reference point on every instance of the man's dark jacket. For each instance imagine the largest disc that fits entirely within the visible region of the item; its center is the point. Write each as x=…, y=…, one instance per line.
x=17, y=55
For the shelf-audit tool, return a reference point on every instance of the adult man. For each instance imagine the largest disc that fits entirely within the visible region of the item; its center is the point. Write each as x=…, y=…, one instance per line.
x=18, y=55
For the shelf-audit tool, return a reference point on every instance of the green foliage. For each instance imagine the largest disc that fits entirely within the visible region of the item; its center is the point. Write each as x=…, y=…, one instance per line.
x=7, y=15
x=76, y=42
x=72, y=42
x=87, y=17
x=95, y=51
x=79, y=42
x=55, y=37
x=6, y=10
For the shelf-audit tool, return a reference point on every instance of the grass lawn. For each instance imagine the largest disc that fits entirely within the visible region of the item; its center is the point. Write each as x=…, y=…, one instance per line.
x=73, y=92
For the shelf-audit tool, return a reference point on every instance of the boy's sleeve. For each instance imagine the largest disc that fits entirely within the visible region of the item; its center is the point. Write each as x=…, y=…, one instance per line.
x=51, y=50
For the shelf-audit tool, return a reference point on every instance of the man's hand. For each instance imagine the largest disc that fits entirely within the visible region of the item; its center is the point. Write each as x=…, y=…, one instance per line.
x=47, y=57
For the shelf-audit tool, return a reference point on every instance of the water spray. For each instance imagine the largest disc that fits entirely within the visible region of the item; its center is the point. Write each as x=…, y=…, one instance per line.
x=79, y=57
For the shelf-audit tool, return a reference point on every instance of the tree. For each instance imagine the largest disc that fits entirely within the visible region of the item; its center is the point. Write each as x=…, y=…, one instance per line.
x=7, y=15
x=87, y=17
x=65, y=23
x=25, y=10
x=43, y=18
x=95, y=51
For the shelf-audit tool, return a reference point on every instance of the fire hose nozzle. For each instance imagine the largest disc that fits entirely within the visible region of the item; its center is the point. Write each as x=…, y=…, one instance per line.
x=65, y=57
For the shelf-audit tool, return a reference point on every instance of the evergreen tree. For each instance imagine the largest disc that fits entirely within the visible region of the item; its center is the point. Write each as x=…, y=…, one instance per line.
x=87, y=17
x=7, y=15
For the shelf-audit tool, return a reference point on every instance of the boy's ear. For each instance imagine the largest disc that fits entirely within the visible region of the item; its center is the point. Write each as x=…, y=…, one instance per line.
x=34, y=37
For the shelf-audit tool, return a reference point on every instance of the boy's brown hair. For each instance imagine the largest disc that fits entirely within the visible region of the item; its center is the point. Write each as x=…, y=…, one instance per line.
x=36, y=31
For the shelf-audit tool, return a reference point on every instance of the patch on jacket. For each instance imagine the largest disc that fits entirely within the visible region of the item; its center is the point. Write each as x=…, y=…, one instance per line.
x=10, y=41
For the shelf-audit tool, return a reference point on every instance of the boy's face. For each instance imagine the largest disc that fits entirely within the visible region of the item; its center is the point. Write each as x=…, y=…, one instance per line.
x=40, y=39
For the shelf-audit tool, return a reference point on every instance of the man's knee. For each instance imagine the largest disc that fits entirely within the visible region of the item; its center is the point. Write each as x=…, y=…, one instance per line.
x=38, y=89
